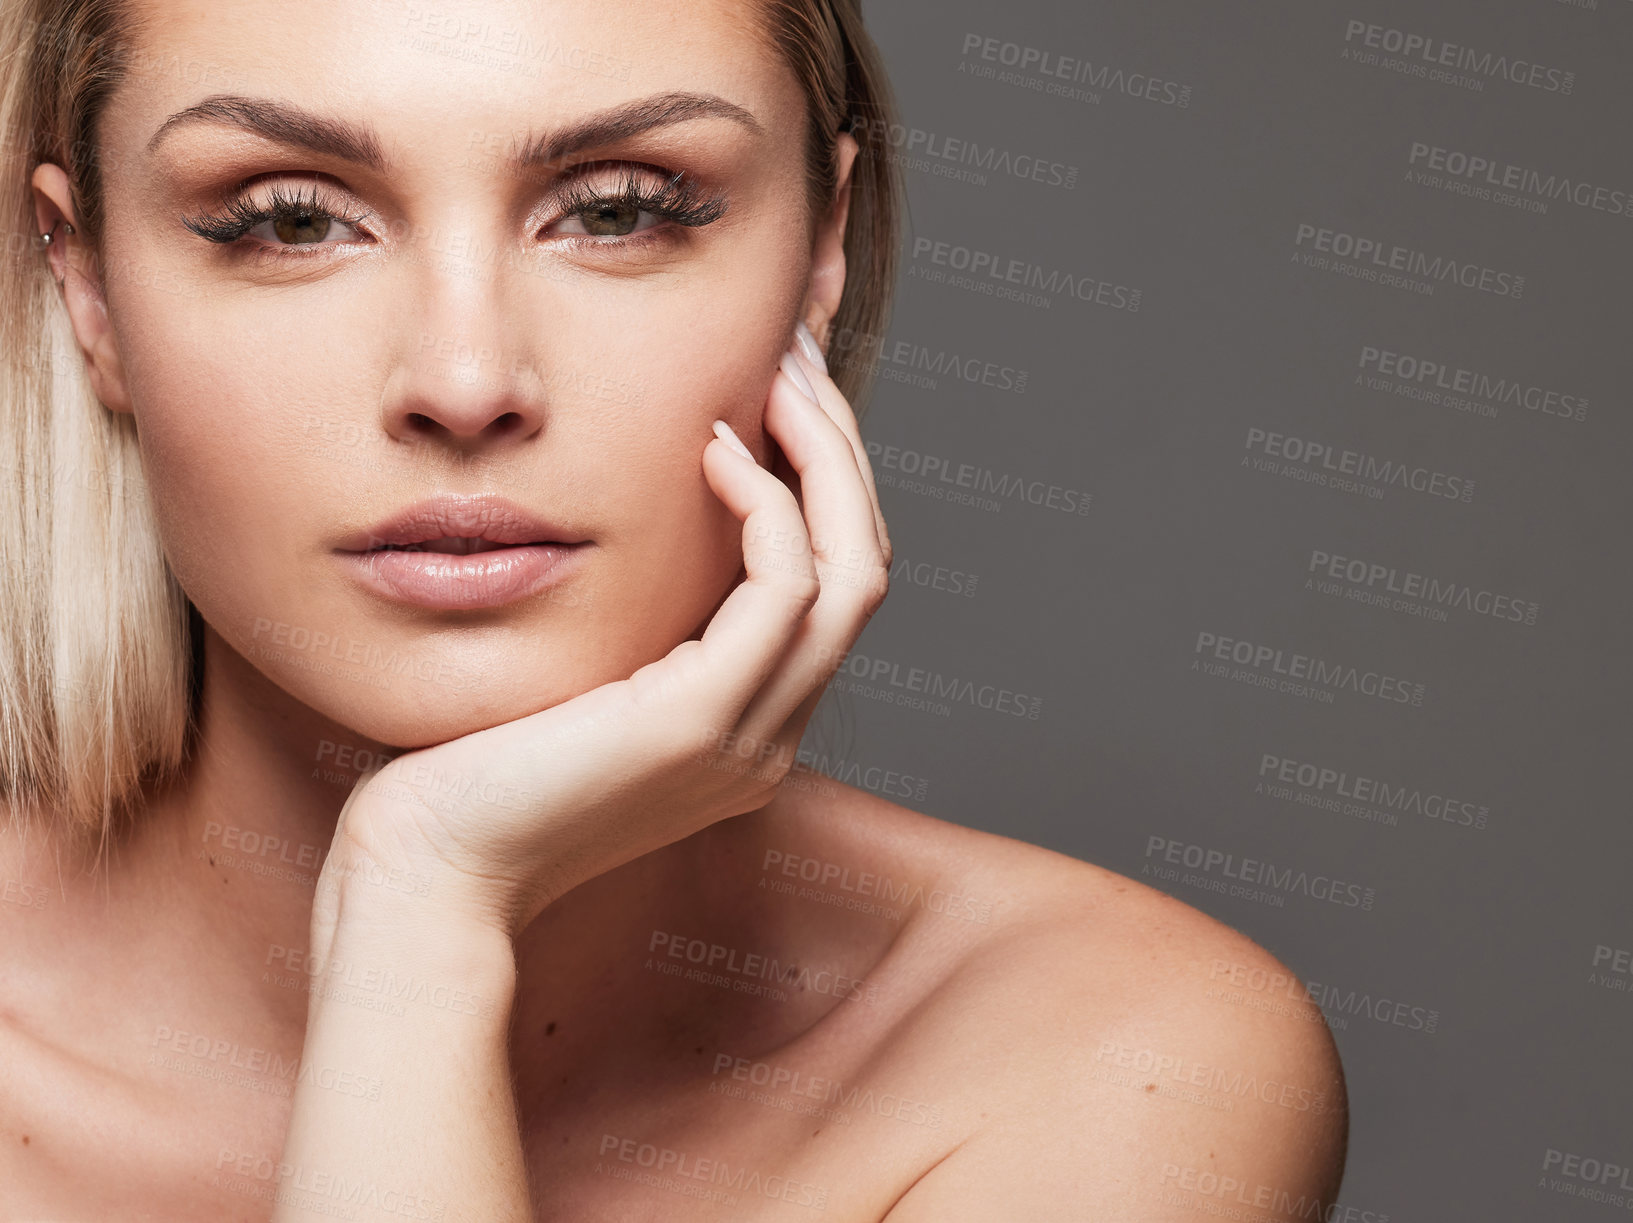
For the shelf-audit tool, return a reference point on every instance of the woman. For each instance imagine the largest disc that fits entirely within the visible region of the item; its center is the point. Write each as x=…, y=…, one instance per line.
x=436, y=526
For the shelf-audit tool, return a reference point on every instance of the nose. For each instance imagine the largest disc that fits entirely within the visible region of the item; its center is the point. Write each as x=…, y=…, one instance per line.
x=462, y=393
x=469, y=386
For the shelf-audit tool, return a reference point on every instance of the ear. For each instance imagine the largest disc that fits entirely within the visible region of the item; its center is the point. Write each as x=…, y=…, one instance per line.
x=828, y=253
x=73, y=267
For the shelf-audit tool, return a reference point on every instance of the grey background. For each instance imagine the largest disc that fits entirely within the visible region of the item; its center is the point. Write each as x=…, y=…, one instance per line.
x=1097, y=615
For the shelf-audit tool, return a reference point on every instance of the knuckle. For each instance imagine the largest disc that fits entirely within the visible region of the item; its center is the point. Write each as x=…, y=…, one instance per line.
x=875, y=586
x=802, y=591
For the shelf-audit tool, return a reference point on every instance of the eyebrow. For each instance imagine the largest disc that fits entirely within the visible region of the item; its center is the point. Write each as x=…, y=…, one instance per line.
x=285, y=123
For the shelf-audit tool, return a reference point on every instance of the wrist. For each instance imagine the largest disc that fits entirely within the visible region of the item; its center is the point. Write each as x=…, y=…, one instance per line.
x=375, y=872
x=400, y=916
x=385, y=951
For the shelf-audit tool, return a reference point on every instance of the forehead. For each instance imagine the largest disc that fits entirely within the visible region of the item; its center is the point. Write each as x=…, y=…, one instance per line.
x=449, y=71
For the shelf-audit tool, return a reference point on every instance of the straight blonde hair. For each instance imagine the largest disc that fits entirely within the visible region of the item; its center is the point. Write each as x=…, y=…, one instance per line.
x=100, y=649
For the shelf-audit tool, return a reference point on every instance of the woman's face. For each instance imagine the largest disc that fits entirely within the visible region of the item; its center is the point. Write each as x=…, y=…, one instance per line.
x=298, y=385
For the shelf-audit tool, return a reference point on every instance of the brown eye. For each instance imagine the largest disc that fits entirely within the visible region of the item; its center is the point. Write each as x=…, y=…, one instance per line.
x=301, y=227
x=611, y=217
x=610, y=220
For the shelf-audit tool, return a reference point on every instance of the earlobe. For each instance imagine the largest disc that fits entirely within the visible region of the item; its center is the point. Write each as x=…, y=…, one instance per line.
x=70, y=262
x=828, y=253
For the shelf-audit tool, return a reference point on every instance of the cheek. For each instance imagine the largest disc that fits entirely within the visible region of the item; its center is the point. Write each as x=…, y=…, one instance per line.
x=256, y=448
x=219, y=469
x=674, y=547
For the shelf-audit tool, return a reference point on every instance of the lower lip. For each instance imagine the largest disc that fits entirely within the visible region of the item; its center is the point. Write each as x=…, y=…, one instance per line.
x=450, y=582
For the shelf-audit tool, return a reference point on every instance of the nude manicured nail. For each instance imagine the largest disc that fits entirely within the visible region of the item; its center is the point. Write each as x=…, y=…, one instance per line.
x=796, y=375
x=729, y=435
x=809, y=348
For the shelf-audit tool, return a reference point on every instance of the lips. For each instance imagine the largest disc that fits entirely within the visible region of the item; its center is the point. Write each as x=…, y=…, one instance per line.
x=456, y=553
x=460, y=525
x=453, y=547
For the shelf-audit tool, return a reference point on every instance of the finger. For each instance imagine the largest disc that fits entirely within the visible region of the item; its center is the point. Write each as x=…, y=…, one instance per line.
x=854, y=579
x=833, y=495
x=755, y=625
x=838, y=408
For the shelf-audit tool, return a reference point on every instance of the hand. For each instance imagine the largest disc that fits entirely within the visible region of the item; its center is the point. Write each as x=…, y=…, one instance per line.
x=707, y=732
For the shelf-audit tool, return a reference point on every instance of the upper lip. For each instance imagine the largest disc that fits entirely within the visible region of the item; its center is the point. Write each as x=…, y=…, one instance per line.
x=487, y=517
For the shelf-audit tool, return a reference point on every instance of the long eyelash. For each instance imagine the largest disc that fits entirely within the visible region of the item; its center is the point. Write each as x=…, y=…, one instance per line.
x=680, y=199
x=238, y=216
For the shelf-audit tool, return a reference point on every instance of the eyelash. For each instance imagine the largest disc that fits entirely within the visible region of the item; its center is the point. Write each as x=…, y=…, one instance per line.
x=238, y=216
x=680, y=201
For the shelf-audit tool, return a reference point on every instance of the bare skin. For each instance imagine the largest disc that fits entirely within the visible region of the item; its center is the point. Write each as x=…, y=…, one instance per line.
x=1001, y=1042
x=1017, y=1056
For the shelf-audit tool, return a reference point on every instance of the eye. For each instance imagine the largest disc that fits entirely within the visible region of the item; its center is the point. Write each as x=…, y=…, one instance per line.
x=281, y=224
x=641, y=199
x=302, y=227
x=612, y=218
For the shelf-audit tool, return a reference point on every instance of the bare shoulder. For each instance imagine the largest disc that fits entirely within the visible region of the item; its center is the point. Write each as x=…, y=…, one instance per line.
x=1117, y=1049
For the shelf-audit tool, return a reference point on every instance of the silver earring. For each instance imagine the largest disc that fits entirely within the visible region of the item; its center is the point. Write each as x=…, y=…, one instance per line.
x=44, y=240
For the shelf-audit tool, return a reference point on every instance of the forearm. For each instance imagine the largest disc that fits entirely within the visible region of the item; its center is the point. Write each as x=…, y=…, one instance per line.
x=403, y=1109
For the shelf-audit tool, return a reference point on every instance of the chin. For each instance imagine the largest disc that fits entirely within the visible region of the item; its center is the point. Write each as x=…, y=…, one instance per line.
x=429, y=684
x=419, y=712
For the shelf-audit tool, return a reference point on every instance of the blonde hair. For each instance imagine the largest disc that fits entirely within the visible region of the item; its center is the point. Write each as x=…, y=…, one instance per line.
x=100, y=651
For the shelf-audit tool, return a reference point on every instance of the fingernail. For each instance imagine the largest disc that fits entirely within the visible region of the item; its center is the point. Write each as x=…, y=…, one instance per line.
x=729, y=435
x=797, y=376
x=809, y=347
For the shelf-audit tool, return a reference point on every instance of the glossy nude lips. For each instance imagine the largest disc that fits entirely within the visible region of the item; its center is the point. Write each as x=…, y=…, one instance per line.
x=452, y=552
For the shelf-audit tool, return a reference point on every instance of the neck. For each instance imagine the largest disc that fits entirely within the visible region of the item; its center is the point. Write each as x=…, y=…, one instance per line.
x=224, y=861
